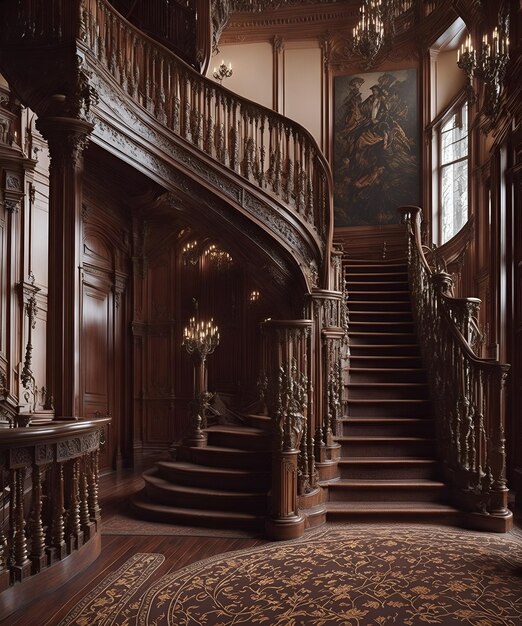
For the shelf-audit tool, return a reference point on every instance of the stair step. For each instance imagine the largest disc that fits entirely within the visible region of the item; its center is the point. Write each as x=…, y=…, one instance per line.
x=218, y=456
x=384, y=349
x=387, y=391
x=361, y=375
x=387, y=468
x=241, y=437
x=387, y=491
x=380, y=316
x=392, y=407
x=393, y=427
x=415, y=512
x=381, y=338
x=165, y=492
x=362, y=266
x=379, y=305
x=262, y=422
x=375, y=274
x=372, y=286
x=380, y=326
x=385, y=446
x=195, y=517
x=395, y=361
x=379, y=296
x=186, y=473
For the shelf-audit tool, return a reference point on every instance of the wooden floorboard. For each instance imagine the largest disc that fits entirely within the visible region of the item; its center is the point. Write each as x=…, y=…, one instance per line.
x=179, y=551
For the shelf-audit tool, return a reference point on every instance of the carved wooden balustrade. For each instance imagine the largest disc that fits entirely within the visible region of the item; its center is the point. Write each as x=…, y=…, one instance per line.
x=266, y=148
x=467, y=391
x=49, y=505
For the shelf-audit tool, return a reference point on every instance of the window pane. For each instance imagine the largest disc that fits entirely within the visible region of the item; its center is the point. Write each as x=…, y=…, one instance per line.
x=454, y=195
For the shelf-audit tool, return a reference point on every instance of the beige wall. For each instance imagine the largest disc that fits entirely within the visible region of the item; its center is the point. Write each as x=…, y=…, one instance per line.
x=303, y=85
x=449, y=79
x=252, y=70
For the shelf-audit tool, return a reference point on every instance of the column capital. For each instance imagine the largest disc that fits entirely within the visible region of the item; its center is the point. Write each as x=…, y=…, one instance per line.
x=67, y=136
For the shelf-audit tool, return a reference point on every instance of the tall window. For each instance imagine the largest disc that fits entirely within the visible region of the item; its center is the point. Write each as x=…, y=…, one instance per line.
x=453, y=172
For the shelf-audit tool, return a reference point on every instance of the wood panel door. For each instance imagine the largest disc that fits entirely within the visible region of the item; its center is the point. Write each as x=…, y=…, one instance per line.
x=97, y=358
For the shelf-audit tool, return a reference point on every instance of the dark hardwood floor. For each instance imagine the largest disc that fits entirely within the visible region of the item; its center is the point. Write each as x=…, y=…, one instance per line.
x=179, y=551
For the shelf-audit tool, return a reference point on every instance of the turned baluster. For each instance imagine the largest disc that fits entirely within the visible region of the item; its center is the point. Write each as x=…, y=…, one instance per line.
x=37, y=555
x=21, y=567
x=74, y=531
x=94, y=508
x=86, y=524
x=57, y=549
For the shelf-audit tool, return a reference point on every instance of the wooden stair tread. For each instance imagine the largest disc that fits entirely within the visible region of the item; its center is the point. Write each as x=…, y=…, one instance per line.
x=386, y=420
x=395, y=483
x=202, y=491
x=238, y=430
x=393, y=400
x=234, y=451
x=391, y=507
x=191, y=514
x=206, y=469
x=386, y=385
x=386, y=460
x=375, y=438
x=385, y=370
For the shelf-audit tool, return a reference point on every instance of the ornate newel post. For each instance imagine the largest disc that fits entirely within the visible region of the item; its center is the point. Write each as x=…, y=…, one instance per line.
x=67, y=138
x=286, y=390
x=200, y=339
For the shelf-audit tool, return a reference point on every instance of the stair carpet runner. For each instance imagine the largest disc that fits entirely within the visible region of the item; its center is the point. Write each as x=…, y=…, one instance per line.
x=387, y=466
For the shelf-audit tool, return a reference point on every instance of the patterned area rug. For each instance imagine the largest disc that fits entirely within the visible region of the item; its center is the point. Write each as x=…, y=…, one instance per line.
x=106, y=601
x=356, y=576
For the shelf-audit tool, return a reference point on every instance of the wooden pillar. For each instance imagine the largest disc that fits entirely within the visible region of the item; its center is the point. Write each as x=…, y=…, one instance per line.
x=67, y=139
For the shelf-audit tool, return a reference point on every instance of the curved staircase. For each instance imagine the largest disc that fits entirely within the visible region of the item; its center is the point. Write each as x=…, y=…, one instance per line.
x=388, y=461
x=223, y=484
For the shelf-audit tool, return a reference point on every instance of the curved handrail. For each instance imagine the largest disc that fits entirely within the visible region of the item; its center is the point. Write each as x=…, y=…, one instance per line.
x=50, y=433
x=276, y=154
x=467, y=390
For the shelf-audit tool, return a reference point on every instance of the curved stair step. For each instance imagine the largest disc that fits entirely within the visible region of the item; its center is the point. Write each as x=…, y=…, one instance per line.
x=230, y=479
x=240, y=437
x=163, y=491
x=388, y=446
x=391, y=426
x=218, y=456
x=158, y=512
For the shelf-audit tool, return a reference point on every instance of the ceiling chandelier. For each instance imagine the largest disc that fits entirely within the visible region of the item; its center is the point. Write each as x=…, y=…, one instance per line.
x=377, y=27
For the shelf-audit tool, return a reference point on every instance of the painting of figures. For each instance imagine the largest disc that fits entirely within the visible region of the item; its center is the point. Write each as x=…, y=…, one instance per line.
x=376, y=146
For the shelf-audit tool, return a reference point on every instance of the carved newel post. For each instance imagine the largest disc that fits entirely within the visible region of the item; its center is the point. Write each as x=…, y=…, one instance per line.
x=286, y=388
x=67, y=138
x=200, y=339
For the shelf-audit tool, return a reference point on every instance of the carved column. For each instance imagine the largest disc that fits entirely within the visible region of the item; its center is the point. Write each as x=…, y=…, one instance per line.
x=67, y=138
x=287, y=398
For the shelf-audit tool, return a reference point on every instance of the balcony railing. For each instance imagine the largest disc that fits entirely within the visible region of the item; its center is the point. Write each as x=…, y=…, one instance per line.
x=49, y=497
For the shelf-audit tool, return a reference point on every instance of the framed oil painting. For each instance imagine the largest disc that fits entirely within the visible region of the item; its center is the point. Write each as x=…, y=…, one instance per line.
x=376, y=146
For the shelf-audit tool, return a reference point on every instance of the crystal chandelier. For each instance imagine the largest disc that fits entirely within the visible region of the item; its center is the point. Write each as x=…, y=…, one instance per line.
x=488, y=64
x=377, y=27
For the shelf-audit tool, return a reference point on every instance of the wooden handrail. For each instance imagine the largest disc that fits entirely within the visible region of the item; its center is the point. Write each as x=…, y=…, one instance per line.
x=467, y=390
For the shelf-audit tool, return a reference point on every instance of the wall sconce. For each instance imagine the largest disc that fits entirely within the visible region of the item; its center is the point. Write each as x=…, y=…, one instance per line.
x=488, y=64
x=223, y=71
x=254, y=296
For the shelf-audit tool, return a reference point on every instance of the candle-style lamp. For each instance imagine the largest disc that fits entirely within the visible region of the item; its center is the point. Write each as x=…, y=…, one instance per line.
x=200, y=339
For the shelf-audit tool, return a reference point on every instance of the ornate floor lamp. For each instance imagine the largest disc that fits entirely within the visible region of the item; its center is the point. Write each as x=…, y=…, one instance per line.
x=200, y=339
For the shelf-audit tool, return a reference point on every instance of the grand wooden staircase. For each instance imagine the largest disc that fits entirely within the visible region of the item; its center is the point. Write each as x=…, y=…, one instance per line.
x=223, y=484
x=388, y=465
